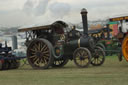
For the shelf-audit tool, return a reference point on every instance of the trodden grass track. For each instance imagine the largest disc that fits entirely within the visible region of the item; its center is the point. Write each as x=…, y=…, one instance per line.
x=112, y=72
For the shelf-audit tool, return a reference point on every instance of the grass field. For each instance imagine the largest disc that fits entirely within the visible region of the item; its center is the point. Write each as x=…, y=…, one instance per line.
x=112, y=72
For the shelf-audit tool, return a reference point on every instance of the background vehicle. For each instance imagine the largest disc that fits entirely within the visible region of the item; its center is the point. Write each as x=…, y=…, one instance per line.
x=122, y=34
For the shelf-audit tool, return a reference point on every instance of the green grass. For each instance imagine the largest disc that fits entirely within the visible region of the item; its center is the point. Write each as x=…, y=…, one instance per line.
x=112, y=72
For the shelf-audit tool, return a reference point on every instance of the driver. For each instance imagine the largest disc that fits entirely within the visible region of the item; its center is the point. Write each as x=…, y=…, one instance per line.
x=74, y=34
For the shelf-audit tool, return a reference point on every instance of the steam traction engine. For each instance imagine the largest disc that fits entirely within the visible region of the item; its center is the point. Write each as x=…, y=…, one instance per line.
x=122, y=34
x=53, y=45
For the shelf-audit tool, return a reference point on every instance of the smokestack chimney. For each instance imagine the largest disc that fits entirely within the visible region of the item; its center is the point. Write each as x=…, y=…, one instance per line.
x=85, y=21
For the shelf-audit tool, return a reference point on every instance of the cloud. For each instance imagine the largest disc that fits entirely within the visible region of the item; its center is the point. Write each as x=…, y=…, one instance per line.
x=59, y=10
x=41, y=7
x=28, y=7
x=15, y=12
x=35, y=7
x=7, y=5
x=15, y=18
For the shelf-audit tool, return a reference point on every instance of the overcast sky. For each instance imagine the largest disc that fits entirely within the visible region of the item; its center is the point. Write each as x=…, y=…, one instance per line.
x=30, y=12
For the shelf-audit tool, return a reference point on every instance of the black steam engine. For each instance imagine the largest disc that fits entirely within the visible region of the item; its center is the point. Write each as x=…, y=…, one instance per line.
x=53, y=45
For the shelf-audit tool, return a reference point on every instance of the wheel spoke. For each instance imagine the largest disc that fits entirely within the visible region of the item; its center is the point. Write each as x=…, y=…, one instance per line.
x=46, y=52
x=45, y=61
x=83, y=62
x=34, y=50
x=42, y=60
x=47, y=55
x=41, y=64
x=32, y=56
x=77, y=55
x=59, y=62
x=33, y=53
x=86, y=57
x=39, y=46
x=34, y=59
x=77, y=58
x=36, y=47
x=43, y=48
x=95, y=60
x=81, y=53
x=99, y=60
x=92, y=59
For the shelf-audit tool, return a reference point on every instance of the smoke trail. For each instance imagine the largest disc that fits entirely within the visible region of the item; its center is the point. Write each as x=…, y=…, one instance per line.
x=41, y=7
x=28, y=7
x=35, y=7
x=59, y=10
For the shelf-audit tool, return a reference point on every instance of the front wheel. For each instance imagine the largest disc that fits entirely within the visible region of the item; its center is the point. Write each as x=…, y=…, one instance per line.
x=82, y=57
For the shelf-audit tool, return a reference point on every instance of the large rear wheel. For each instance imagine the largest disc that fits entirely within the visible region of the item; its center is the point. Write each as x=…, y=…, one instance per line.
x=39, y=54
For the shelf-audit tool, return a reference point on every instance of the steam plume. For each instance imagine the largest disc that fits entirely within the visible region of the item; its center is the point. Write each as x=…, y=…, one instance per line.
x=59, y=10
x=35, y=7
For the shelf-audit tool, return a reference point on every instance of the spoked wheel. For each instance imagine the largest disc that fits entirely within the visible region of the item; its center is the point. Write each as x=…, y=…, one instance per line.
x=82, y=57
x=60, y=62
x=98, y=56
x=125, y=47
x=39, y=54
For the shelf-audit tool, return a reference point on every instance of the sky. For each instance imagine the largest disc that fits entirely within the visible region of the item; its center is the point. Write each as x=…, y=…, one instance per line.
x=41, y=12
